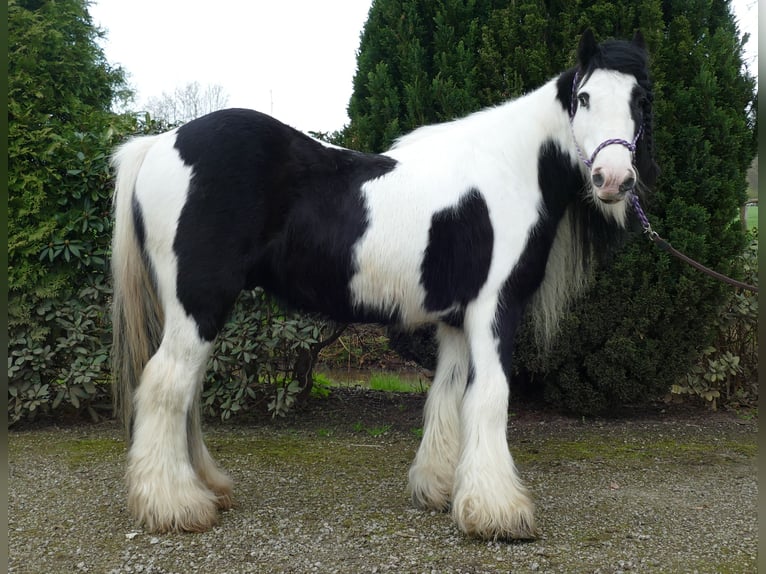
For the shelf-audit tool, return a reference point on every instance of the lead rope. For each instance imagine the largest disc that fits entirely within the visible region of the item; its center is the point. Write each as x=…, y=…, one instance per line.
x=664, y=245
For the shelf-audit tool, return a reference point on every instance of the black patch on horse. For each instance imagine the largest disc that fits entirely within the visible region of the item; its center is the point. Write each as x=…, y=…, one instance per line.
x=138, y=222
x=459, y=252
x=267, y=206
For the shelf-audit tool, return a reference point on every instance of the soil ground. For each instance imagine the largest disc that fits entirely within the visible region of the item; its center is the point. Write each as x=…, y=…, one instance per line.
x=325, y=490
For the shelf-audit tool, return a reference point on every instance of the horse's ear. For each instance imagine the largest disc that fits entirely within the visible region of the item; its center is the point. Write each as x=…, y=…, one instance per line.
x=638, y=40
x=588, y=47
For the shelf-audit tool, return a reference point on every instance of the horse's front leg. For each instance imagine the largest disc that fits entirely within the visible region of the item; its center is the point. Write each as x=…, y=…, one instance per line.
x=432, y=473
x=489, y=499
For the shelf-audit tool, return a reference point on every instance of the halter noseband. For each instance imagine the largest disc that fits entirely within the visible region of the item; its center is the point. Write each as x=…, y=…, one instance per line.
x=589, y=162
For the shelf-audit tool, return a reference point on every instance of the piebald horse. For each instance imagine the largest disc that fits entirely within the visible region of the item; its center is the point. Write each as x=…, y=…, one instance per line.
x=465, y=224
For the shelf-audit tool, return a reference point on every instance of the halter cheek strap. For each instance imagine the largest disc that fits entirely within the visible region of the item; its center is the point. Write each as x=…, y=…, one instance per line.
x=631, y=145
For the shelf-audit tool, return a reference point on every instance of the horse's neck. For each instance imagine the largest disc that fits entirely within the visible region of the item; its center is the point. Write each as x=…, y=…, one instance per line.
x=528, y=121
x=534, y=119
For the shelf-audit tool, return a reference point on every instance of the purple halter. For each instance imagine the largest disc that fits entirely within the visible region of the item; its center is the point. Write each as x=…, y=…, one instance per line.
x=589, y=162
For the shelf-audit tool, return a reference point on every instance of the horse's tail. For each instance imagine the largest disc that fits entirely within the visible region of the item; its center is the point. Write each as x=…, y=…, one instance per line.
x=137, y=316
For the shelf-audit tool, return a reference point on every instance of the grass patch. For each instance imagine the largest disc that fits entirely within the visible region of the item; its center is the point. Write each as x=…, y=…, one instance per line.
x=751, y=217
x=393, y=384
x=389, y=382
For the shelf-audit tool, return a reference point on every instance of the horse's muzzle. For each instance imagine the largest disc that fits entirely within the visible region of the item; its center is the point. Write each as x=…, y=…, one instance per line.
x=611, y=188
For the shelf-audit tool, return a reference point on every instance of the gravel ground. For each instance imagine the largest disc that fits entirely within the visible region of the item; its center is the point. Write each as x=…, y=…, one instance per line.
x=326, y=492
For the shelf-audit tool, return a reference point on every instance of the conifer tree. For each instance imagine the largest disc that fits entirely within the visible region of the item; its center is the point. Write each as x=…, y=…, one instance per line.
x=416, y=65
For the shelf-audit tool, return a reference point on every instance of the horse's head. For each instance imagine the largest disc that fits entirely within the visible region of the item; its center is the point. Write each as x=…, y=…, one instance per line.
x=610, y=114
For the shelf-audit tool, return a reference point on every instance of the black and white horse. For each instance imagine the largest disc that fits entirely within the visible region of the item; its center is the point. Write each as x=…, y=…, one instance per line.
x=463, y=224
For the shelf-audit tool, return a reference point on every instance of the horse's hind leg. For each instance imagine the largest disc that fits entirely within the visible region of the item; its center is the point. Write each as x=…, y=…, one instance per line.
x=216, y=480
x=433, y=471
x=165, y=492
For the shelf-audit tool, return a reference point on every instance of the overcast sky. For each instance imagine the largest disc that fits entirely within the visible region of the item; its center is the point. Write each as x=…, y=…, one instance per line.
x=300, y=54
x=294, y=59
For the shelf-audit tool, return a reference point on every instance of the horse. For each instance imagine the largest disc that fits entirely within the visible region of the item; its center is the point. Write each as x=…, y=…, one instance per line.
x=467, y=224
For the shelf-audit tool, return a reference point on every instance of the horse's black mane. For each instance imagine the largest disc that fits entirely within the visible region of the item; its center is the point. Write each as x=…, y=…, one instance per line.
x=621, y=56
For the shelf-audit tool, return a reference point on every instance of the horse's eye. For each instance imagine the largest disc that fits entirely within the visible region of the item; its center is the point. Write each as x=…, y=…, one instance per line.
x=583, y=99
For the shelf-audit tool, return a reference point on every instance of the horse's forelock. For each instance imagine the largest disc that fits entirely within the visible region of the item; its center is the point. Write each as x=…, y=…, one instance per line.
x=620, y=56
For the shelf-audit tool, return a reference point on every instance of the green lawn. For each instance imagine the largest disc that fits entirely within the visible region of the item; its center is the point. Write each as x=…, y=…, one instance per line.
x=375, y=380
x=752, y=217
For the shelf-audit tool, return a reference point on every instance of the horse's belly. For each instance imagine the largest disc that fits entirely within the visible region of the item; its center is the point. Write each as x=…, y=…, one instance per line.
x=386, y=281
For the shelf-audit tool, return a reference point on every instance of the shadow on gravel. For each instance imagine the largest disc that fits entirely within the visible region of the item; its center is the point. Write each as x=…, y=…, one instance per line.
x=326, y=491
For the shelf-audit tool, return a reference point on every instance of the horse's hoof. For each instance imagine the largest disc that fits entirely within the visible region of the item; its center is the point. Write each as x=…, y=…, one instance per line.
x=190, y=509
x=427, y=491
x=480, y=517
